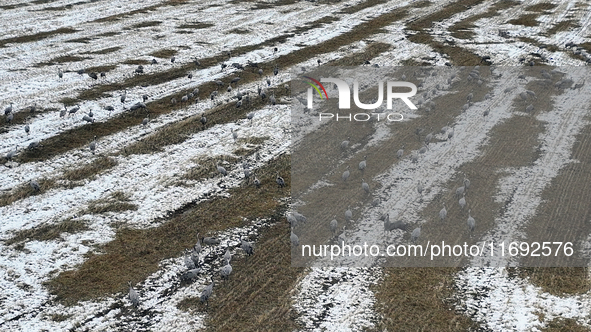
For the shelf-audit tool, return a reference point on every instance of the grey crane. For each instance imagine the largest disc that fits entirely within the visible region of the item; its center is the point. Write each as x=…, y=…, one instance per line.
x=11, y=154
x=529, y=108
x=229, y=88
x=227, y=255
x=34, y=145
x=443, y=213
x=423, y=149
x=250, y=115
x=247, y=172
x=469, y=97
x=195, y=254
x=363, y=164
x=8, y=109
x=88, y=119
x=93, y=75
x=185, y=98
x=63, y=112
x=189, y=263
x=466, y=183
x=414, y=157
x=203, y=119
x=275, y=70
x=471, y=223
x=206, y=294
x=223, y=65
x=390, y=226
x=221, y=169
x=257, y=182
x=268, y=81
x=9, y=117
x=272, y=99
x=191, y=274
x=133, y=295
x=34, y=185
x=226, y=270
x=420, y=187
x=173, y=100
x=238, y=104
x=450, y=133
x=247, y=247
x=295, y=240
x=172, y=59
x=415, y=234
x=197, y=247
x=428, y=138
x=333, y=226
x=235, y=80
x=291, y=219
x=144, y=98
x=210, y=241
x=280, y=181
x=234, y=134
x=365, y=186
x=462, y=201
x=400, y=152
x=123, y=96
x=60, y=73
x=348, y=213
x=346, y=174
x=74, y=110
x=92, y=145
x=146, y=120
x=299, y=217
x=345, y=143
x=90, y=114
x=460, y=190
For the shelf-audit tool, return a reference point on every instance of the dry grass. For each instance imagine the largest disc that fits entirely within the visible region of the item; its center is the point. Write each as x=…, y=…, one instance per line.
x=135, y=254
x=417, y=299
x=459, y=56
x=117, y=17
x=196, y=25
x=540, y=7
x=528, y=20
x=144, y=24
x=35, y=37
x=564, y=324
x=48, y=232
x=99, y=69
x=134, y=62
x=558, y=280
x=258, y=293
x=314, y=24
x=206, y=167
x=83, y=40
x=97, y=166
x=164, y=53
x=116, y=202
x=562, y=26
x=62, y=59
x=359, y=58
x=239, y=31
x=362, y=5
x=463, y=29
x=25, y=191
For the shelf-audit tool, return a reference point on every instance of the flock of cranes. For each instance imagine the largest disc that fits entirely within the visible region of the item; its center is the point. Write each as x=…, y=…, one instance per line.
x=192, y=257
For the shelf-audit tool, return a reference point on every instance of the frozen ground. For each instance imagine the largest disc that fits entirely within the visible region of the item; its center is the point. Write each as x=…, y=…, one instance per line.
x=326, y=299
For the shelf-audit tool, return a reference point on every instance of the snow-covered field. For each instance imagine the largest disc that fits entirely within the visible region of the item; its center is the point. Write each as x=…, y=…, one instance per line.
x=325, y=299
